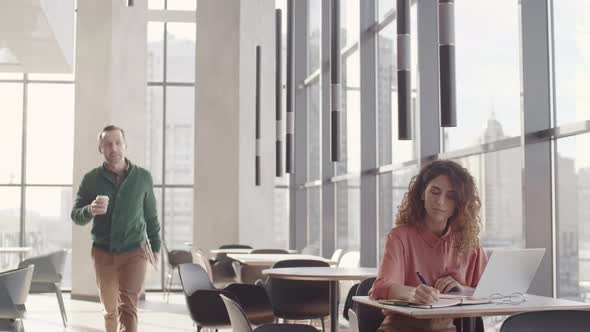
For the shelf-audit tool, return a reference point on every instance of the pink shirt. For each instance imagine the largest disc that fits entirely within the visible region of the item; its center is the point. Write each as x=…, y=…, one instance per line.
x=414, y=248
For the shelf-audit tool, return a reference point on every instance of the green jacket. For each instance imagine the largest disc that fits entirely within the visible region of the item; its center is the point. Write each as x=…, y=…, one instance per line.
x=131, y=209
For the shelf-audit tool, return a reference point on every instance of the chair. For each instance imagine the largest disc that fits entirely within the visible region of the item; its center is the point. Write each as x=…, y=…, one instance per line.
x=205, y=305
x=353, y=322
x=336, y=256
x=349, y=259
x=270, y=251
x=297, y=299
x=348, y=303
x=312, y=249
x=200, y=258
x=14, y=289
x=240, y=323
x=223, y=271
x=249, y=274
x=47, y=276
x=543, y=321
x=235, y=246
x=369, y=318
x=174, y=258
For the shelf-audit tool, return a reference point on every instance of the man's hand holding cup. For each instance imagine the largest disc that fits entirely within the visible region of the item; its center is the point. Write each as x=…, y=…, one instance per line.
x=99, y=205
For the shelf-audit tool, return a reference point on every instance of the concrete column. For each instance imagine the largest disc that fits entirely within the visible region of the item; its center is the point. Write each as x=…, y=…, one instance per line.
x=111, y=50
x=229, y=207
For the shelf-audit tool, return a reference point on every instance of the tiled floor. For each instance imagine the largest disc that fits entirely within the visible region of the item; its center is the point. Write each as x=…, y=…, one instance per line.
x=155, y=314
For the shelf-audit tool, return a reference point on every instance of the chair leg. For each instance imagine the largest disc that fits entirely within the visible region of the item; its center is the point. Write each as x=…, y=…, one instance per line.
x=323, y=325
x=166, y=285
x=60, y=300
x=169, y=287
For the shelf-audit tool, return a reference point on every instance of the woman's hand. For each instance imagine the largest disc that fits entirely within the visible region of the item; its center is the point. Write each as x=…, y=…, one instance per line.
x=424, y=295
x=447, y=284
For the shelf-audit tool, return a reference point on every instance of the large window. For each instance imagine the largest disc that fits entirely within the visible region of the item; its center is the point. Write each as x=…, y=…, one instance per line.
x=169, y=126
x=488, y=73
x=571, y=35
x=496, y=97
x=498, y=180
x=573, y=223
x=36, y=137
x=572, y=60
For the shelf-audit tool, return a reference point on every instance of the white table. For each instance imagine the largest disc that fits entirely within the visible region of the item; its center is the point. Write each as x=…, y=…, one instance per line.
x=20, y=251
x=270, y=259
x=242, y=251
x=15, y=250
x=532, y=303
x=331, y=274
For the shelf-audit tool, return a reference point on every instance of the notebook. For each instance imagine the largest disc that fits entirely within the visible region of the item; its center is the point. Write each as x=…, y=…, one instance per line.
x=444, y=300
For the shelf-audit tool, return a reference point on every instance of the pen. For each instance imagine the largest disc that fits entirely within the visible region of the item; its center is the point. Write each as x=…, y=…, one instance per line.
x=422, y=278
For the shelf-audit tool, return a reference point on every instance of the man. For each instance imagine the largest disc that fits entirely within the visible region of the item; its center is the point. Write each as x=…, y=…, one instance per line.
x=118, y=197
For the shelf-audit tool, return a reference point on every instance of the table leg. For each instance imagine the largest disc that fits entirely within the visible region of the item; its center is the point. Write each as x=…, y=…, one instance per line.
x=334, y=306
x=467, y=324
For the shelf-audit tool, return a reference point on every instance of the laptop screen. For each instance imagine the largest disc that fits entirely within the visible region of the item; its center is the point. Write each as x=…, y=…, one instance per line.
x=509, y=271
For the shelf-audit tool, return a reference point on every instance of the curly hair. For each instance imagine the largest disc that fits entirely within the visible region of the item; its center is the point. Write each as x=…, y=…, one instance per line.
x=464, y=222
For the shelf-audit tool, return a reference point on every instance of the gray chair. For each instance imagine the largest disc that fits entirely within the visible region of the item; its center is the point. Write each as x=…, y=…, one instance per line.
x=14, y=288
x=353, y=321
x=544, y=321
x=299, y=299
x=249, y=274
x=223, y=270
x=200, y=259
x=368, y=318
x=174, y=258
x=205, y=306
x=239, y=321
x=49, y=270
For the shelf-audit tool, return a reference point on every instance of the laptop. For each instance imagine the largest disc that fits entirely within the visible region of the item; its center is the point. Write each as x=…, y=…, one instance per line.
x=509, y=271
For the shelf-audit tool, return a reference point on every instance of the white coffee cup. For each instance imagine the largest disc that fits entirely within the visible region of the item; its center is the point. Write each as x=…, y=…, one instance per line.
x=104, y=199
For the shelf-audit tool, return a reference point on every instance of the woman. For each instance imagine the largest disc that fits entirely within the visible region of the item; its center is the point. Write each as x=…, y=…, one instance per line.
x=436, y=235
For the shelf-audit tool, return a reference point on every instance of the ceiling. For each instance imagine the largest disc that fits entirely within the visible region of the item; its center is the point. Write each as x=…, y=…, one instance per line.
x=37, y=36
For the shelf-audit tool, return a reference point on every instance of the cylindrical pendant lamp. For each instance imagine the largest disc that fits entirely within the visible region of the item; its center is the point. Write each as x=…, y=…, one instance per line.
x=290, y=125
x=404, y=78
x=446, y=40
x=257, y=162
x=278, y=95
x=335, y=87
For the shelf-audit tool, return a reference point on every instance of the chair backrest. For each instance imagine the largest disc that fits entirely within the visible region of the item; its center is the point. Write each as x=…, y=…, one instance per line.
x=312, y=249
x=237, y=316
x=235, y=246
x=369, y=318
x=177, y=257
x=540, y=321
x=348, y=302
x=336, y=255
x=193, y=277
x=200, y=259
x=14, y=288
x=48, y=268
x=350, y=259
x=297, y=299
x=269, y=251
x=353, y=322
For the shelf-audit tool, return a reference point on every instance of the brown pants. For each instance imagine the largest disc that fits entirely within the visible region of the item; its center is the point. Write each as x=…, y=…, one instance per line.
x=119, y=278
